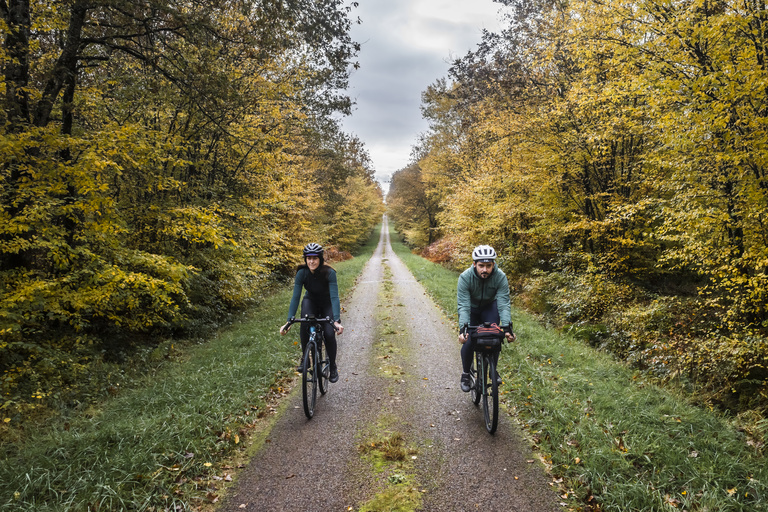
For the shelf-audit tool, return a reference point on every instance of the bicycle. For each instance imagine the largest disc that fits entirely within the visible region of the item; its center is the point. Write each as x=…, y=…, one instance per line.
x=316, y=370
x=482, y=374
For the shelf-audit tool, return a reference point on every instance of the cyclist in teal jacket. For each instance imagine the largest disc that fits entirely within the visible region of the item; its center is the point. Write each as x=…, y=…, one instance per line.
x=482, y=296
x=321, y=299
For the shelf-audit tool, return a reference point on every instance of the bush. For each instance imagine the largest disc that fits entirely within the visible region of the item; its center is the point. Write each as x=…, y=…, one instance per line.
x=672, y=338
x=443, y=251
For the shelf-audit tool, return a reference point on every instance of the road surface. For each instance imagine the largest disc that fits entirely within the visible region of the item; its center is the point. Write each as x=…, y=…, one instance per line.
x=399, y=368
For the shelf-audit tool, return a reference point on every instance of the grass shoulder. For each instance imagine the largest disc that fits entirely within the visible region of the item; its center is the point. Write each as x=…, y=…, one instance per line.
x=615, y=441
x=173, y=440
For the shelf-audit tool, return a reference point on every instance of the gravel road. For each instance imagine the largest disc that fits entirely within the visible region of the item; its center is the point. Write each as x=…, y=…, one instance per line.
x=399, y=365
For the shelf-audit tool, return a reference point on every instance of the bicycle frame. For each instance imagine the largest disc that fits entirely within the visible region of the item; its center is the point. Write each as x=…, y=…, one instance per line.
x=316, y=369
x=483, y=384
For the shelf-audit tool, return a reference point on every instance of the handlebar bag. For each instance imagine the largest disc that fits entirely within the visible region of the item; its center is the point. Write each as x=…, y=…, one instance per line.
x=488, y=338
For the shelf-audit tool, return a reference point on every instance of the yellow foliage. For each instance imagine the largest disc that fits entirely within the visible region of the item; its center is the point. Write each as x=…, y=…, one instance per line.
x=155, y=184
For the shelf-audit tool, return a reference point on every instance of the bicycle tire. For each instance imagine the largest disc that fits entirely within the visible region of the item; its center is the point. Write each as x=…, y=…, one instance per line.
x=324, y=368
x=309, y=380
x=475, y=392
x=490, y=394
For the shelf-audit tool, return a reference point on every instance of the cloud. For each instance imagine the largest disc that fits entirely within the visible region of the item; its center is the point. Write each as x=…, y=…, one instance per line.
x=406, y=46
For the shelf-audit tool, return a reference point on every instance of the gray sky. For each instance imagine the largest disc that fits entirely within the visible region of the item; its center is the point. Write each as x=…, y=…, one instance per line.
x=406, y=46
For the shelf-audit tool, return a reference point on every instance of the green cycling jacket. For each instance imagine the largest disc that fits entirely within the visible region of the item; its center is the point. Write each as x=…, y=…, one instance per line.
x=476, y=293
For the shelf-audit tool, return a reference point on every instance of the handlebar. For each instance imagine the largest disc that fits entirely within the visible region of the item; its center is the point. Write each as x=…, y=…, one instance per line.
x=312, y=319
x=504, y=328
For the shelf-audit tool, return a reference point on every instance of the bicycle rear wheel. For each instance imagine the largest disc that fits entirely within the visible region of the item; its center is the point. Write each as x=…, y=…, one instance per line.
x=309, y=379
x=475, y=390
x=324, y=369
x=490, y=394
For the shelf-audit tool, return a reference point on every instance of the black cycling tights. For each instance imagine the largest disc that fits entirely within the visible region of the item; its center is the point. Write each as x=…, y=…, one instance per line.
x=308, y=307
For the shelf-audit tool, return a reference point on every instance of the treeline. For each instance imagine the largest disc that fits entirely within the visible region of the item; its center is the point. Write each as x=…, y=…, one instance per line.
x=161, y=163
x=616, y=154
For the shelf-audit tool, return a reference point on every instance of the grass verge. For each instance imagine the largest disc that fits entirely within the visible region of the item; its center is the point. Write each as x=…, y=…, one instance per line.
x=386, y=450
x=615, y=442
x=384, y=445
x=173, y=441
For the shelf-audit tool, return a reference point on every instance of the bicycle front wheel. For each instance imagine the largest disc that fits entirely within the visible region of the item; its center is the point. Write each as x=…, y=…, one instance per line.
x=309, y=379
x=490, y=394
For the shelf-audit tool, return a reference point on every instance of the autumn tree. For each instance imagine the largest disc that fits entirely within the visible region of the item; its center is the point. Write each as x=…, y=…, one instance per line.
x=613, y=153
x=153, y=170
x=413, y=207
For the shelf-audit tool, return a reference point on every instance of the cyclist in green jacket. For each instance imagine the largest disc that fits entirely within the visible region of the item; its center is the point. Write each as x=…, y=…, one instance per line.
x=482, y=296
x=321, y=299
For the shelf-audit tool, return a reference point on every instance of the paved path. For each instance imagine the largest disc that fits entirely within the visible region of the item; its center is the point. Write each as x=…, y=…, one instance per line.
x=399, y=365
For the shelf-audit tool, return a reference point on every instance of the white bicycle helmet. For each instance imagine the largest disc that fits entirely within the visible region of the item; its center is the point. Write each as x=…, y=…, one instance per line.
x=313, y=249
x=483, y=253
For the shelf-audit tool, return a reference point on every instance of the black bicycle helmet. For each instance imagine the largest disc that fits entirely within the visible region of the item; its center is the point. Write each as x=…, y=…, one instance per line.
x=313, y=249
x=484, y=253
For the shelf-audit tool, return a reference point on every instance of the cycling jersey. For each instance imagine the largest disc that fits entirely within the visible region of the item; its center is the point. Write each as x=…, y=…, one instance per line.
x=475, y=293
x=321, y=287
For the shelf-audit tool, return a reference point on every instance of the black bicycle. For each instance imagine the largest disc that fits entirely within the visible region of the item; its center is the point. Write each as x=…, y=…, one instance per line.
x=316, y=369
x=483, y=383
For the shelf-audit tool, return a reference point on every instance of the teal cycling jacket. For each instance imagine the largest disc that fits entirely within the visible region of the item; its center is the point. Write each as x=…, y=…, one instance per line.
x=476, y=293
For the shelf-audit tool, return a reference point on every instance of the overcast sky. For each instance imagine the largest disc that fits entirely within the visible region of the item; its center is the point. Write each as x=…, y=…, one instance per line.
x=406, y=46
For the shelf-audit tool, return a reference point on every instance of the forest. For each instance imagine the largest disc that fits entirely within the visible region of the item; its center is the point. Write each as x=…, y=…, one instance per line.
x=162, y=163
x=615, y=154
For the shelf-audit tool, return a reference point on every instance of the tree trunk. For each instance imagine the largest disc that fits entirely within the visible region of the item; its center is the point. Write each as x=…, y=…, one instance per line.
x=16, y=16
x=65, y=70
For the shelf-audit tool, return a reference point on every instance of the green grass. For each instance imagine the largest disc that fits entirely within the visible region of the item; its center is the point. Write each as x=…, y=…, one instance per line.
x=616, y=441
x=168, y=443
x=384, y=445
x=387, y=451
